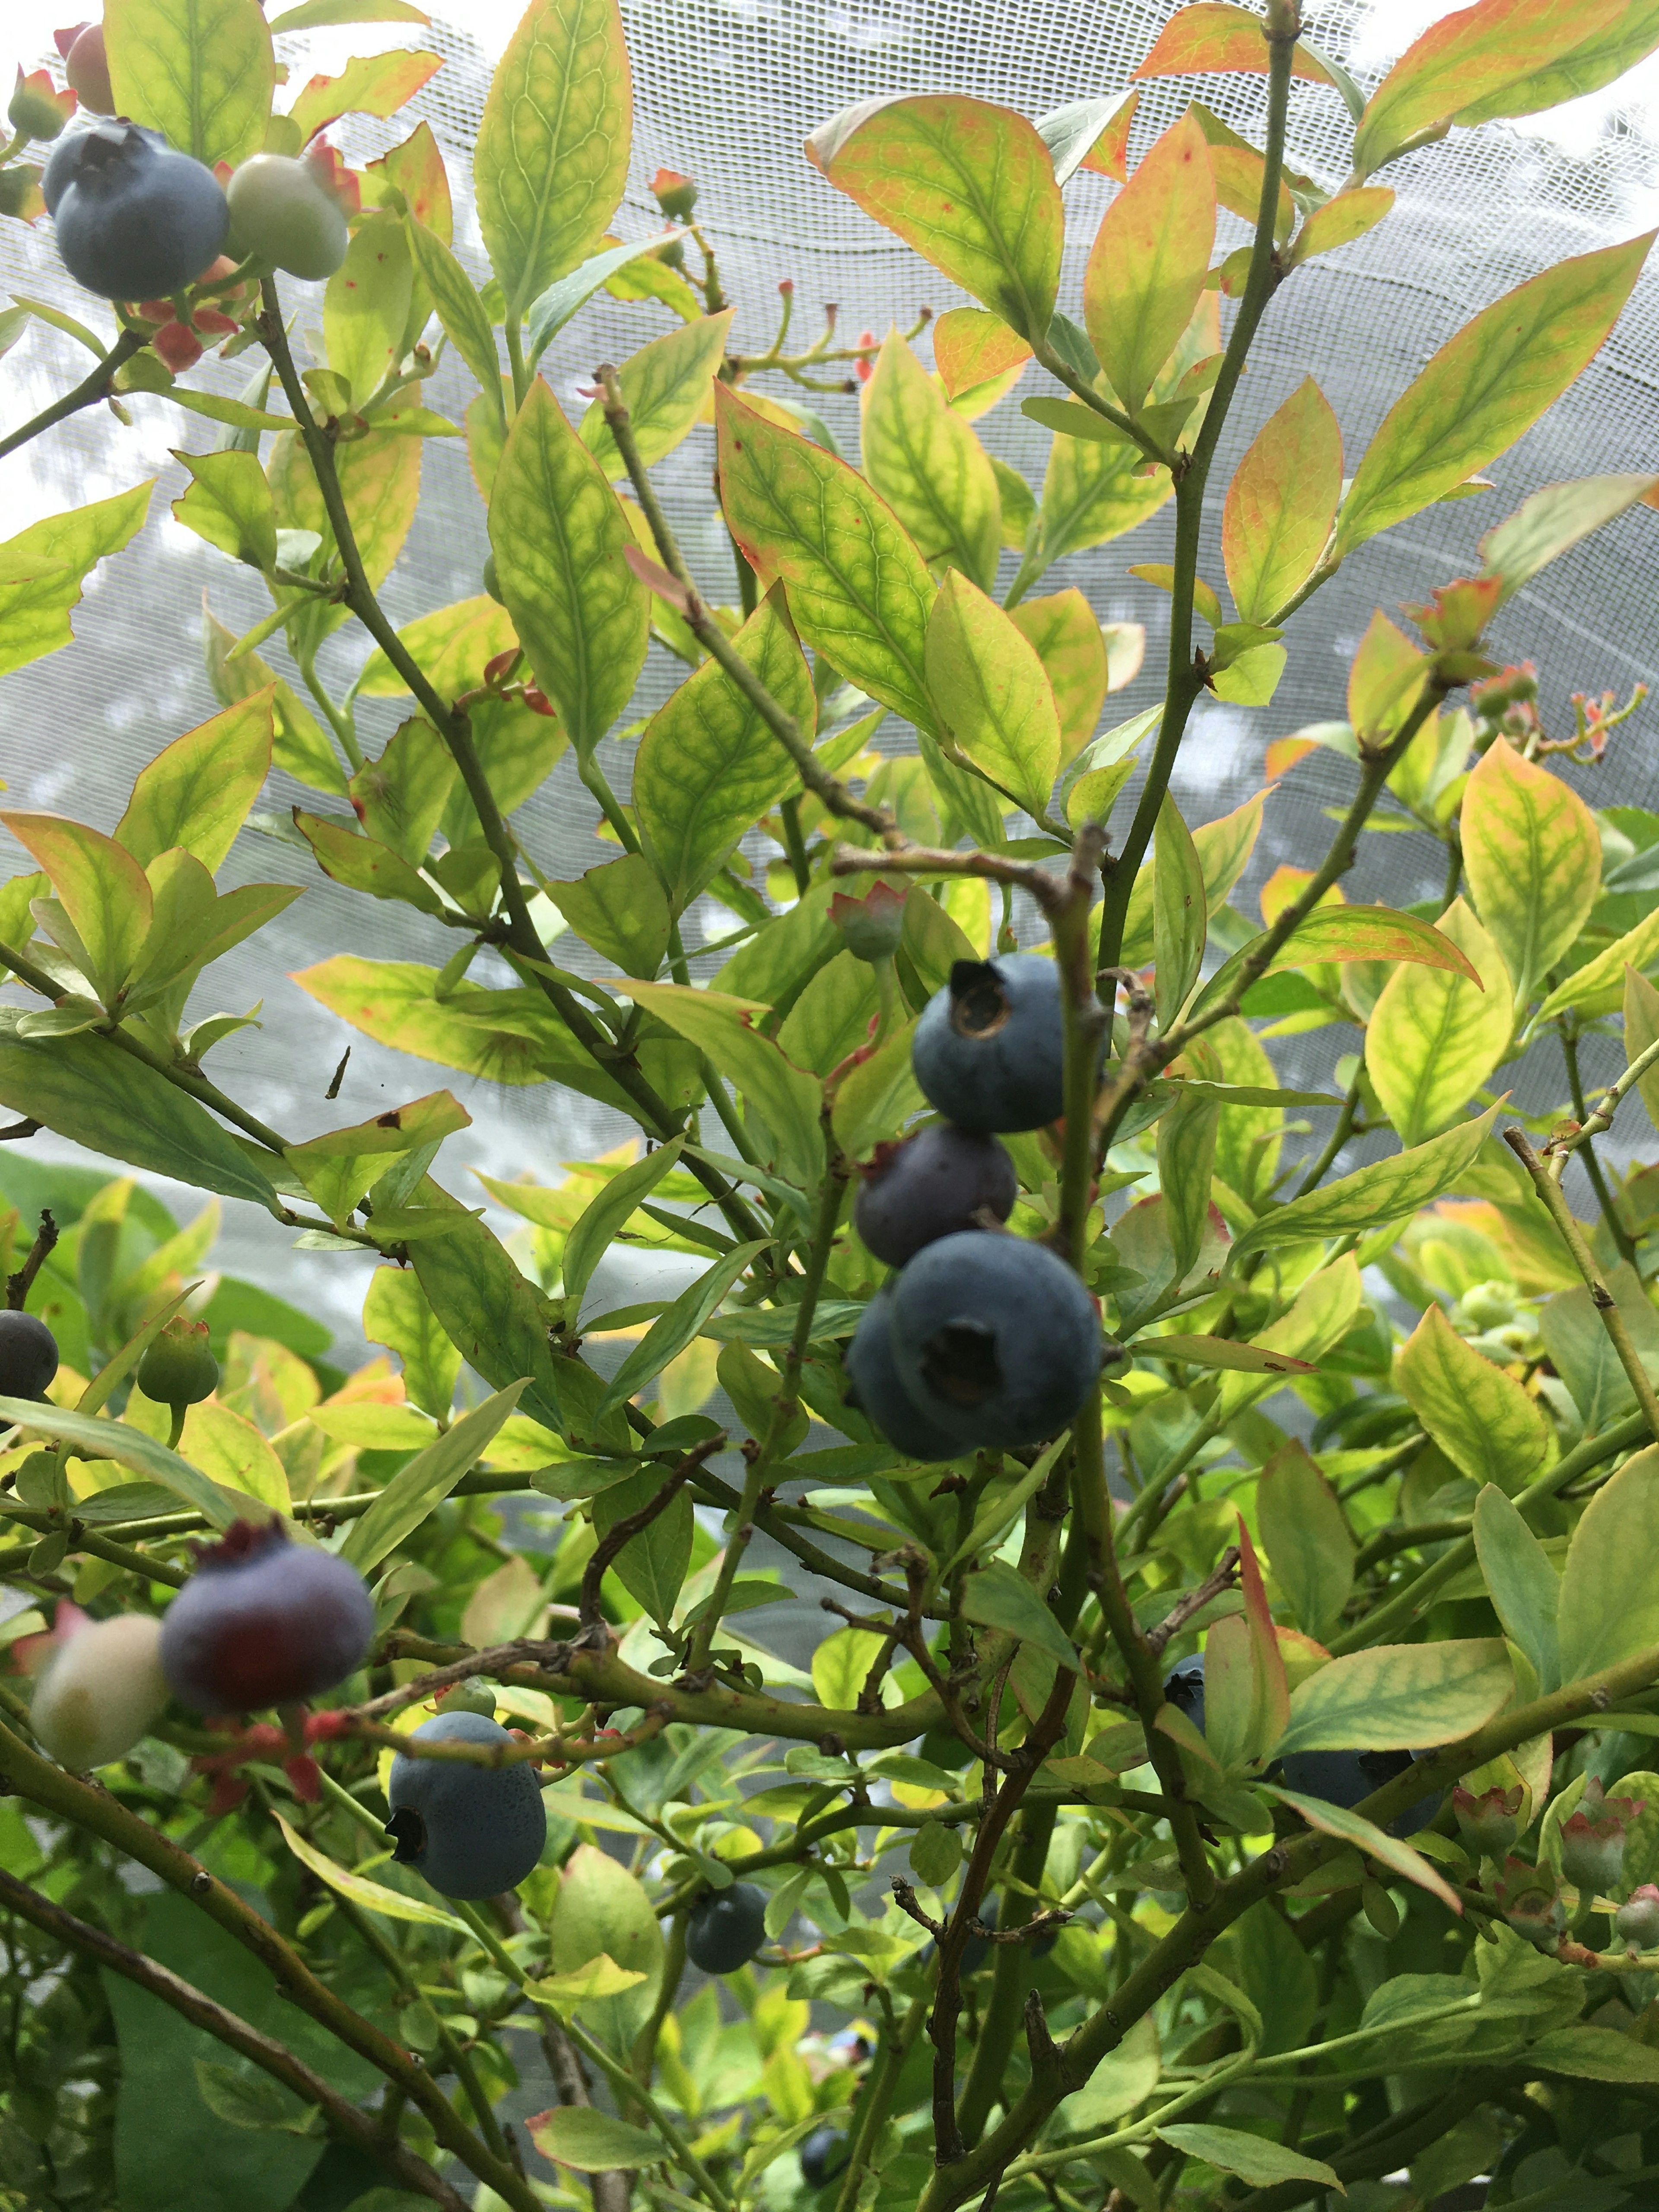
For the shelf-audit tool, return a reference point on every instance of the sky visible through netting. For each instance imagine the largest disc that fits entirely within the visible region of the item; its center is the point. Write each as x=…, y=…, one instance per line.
x=726, y=90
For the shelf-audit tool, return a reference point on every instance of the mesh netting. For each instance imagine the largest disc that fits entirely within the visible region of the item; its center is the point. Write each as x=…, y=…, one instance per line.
x=727, y=90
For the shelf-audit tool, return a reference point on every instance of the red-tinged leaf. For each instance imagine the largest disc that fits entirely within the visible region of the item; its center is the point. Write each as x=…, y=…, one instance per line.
x=1602, y=55
x=1240, y=173
x=1206, y=600
x=969, y=185
x=1090, y=134
x=1533, y=855
x=1109, y=154
x=415, y=168
x=1342, y=933
x=1385, y=678
x=1281, y=504
x=368, y=85
x=1342, y=219
x=970, y=348
x=1283, y=753
x=1486, y=385
x=1352, y=1828
x=1149, y=261
x=1273, y=1697
x=1469, y=59
x=1213, y=39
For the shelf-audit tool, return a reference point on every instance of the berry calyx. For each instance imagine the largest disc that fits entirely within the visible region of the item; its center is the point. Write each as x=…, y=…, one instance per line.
x=725, y=1927
x=28, y=1355
x=100, y=1691
x=932, y=1185
x=264, y=1622
x=178, y=1368
x=282, y=208
x=472, y=1830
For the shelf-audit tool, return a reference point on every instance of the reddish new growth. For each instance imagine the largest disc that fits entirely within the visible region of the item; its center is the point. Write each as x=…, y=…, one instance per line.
x=242, y=1542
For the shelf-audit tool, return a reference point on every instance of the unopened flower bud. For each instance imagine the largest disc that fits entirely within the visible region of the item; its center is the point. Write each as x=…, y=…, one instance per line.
x=1490, y=1824
x=873, y=924
x=1593, y=1839
x=1637, y=1918
x=675, y=195
x=179, y=1370
x=37, y=109
x=1527, y=1899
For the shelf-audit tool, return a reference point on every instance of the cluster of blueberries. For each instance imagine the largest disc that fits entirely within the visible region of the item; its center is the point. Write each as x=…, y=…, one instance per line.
x=983, y=1339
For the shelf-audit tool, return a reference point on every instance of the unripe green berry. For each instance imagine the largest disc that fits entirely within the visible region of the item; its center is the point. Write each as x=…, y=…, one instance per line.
x=100, y=1691
x=179, y=1370
x=281, y=210
x=469, y=1698
x=492, y=582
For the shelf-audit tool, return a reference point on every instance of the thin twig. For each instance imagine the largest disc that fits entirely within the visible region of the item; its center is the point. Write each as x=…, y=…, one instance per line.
x=623, y=1532
x=1221, y=1579
x=19, y=1285
x=96, y=385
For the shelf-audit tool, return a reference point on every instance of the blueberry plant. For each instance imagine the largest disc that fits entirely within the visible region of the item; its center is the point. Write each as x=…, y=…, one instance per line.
x=1220, y=1781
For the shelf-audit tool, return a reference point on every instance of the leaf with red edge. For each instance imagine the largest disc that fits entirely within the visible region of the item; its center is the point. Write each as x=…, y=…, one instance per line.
x=1281, y=503
x=415, y=168
x=970, y=348
x=1468, y=60
x=374, y=84
x=969, y=184
x=1214, y=40
x=1149, y=261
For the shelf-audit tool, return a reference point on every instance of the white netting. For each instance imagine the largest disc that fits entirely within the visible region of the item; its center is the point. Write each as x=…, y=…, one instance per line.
x=728, y=92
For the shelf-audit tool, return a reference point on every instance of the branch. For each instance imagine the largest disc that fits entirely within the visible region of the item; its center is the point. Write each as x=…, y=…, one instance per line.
x=1048, y=890
x=1592, y=1125
x=1624, y=1243
x=97, y=385
x=1221, y=1578
x=614, y=1538
x=19, y=1285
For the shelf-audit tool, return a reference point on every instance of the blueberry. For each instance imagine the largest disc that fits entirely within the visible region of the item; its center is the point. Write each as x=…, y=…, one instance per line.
x=989, y=1049
x=931, y=1186
x=879, y=1394
x=726, y=1929
x=28, y=1355
x=472, y=1830
x=824, y=2156
x=136, y=221
x=1344, y=1777
x=994, y=1338
x=281, y=209
x=1183, y=1688
x=263, y=1622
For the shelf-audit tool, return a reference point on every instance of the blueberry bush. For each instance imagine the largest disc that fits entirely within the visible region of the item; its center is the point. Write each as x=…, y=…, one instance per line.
x=1222, y=1778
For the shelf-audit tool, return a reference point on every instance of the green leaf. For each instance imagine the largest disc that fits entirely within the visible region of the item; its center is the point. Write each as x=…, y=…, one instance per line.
x=365, y=305
x=397, y=1315
x=95, y=1439
x=489, y=1313
x=1071, y=644
x=1092, y=491
x=42, y=571
x=969, y=185
x=990, y=693
x=550, y=159
x=1554, y=520
x=1598, y=986
x=84, y=1088
x=998, y=1597
x=1399, y=1696
x=596, y=1227
x=1485, y=386
x=709, y=766
x=1434, y=1036
x=1281, y=503
x=1524, y=1587
x=313, y=14
x=1609, y=1604
x=380, y=479
x=418, y=1487
x=559, y=535
x=229, y=503
x=339, y=1167
x=619, y=909
x=372, y=1896
x=841, y=1665
x=549, y=314
x=1321, y=1314
x=574, y=2135
x=929, y=466
x=198, y=791
x=364, y=865
x=670, y=1333
x=1481, y=1418
x=100, y=888
x=1532, y=856
x=202, y=72
x=1386, y=1191
x=1180, y=912
x=1341, y=220
x=1593, y=2054
x=298, y=745
x=1576, y=1339
x=876, y=1099
x=1618, y=44
x=466, y=320
x=1353, y=1828
x=451, y=646
x=665, y=386
x=253, y=2100
x=1255, y=2159
x=1468, y=63
x=1186, y=1158
x=858, y=589
x=1221, y=1352
x=1149, y=261
x=1306, y=1538
x=789, y=1100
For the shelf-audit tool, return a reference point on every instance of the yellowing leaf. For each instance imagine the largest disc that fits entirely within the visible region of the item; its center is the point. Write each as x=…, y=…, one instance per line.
x=1149, y=261
x=1532, y=856
x=372, y=1896
x=199, y=71
x=1609, y=1603
x=1281, y=503
x=991, y=696
x=1071, y=646
x=230, y=1451
x=1481, y=1418
x=369, y=84
x=101, y=889
x=1399, y=1697
x=1434, y=1036
x=197, y=791
x=926, y=463
x=665, y=386
x=972, y=348
x=1386, y=1191
x=1215, y=39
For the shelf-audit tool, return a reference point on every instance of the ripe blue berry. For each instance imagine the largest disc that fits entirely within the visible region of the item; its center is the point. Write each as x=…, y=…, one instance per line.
x=263, y=1622
x=726, y=1929
x=136, y=221
x=995, y=1341
x=824, y=2156
x=28, y=1355
x=1183, y=1687
x=988, y=1048
x=1344, y=1777
x=879, y=1394
x=931, y=1186
x=472, y=1830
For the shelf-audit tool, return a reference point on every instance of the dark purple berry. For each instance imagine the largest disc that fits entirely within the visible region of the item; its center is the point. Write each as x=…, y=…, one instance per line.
x=28, y=1355
x=880, y=1396
x=1183, y=1687
x=264, y=1622
x=1344, y=1778
x=989, y=1047
x=931, y=1186
x=726, y=1929
x=472, y=1830
x=824, y=2156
